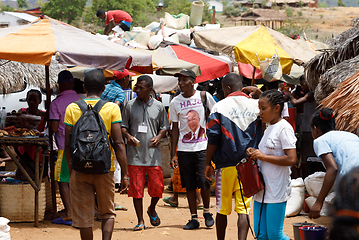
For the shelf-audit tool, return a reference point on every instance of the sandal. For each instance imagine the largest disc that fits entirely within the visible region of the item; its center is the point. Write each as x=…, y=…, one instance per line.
x=168, y=200
x=139, y=227
x=154, y=219
x=60, y=220
x=119, y=207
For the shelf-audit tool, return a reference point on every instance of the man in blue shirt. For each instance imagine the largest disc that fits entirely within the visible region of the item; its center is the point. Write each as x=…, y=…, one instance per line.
x=113, y=91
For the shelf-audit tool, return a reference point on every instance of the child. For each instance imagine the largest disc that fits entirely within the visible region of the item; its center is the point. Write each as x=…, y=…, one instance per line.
x=33, y=99
x=338, y=150
x=346, y=204
x=276, y=154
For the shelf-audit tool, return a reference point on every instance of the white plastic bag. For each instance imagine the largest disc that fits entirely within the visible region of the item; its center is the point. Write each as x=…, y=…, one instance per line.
x=4, y=229
x=176, y=23
x=314, y=183
x=155, y=41
x=296, y=201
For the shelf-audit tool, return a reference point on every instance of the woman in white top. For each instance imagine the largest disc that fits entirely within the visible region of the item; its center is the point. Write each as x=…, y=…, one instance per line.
x=276, y=154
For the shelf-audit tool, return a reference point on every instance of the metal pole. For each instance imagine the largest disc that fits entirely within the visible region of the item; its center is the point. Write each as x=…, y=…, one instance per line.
x=214, y=15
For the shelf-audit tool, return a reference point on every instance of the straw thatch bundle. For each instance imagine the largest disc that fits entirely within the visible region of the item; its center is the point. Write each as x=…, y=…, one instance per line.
x=331, y=79
x=12, y=75
x=345, y=103
x=343, y=47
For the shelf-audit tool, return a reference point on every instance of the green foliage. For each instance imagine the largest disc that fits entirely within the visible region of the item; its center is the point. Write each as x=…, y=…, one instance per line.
x=341, y=4
x=6, y=8
x=175, y=7
x=300, y=13
x=64, y=10
x=295, y=25
x=300, y=4
x=231, y=11
x=22, y=3
x=289, y=12
x=322, y=5
x=138, y=9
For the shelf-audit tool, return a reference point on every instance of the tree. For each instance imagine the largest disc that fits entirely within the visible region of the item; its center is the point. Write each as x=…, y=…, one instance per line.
x=6, y=8
x=64, y=10
x=341, y=4
x=22, y=3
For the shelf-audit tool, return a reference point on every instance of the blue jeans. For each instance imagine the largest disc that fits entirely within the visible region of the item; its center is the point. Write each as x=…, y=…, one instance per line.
x=272, y=219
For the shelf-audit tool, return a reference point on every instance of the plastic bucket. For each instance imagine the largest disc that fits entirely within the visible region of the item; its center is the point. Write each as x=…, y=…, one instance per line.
x=296, y=229
x=301, y=232
x=196, y=13
x=314, y=233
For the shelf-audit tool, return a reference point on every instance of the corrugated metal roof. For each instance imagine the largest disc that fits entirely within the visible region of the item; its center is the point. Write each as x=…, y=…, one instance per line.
x=24, y=16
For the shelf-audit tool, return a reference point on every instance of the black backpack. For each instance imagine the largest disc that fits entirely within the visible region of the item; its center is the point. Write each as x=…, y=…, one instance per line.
x=89, y=141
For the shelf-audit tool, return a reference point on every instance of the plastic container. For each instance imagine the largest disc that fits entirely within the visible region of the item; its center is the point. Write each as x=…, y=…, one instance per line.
x=196, y=13
x=314, y=232
x=296, y=230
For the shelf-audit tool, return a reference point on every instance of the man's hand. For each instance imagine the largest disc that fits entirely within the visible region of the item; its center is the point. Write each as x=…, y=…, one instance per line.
x=209, y=172
x=131, y=140
x=256, y=154
x=315, y=210
x=124, y=185
x=174, y=163
x=254, y=92
x=155, y=141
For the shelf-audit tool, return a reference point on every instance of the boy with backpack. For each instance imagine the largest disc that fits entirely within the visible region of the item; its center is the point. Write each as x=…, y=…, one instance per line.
x=90, y=158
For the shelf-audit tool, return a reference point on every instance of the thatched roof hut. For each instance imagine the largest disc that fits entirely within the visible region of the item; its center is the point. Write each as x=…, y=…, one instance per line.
x=343, y=47
x=331, y=79
x=345, y=103
x=270, y=18
x=13, y=74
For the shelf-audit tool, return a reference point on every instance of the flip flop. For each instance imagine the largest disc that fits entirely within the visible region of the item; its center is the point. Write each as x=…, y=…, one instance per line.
x=60, y=220
x=153, y=219
x=167, y=200
x=139, y=227
x=119, y=207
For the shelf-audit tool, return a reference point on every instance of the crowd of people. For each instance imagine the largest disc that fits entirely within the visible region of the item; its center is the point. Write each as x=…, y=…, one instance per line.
x=209, y=137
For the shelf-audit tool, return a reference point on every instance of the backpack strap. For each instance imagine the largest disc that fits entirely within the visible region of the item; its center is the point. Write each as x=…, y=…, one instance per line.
x=99, y=105
x=83, y=105
x=204, y=103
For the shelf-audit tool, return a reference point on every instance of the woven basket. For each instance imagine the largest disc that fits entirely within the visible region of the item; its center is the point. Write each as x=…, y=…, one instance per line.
x=17, y=202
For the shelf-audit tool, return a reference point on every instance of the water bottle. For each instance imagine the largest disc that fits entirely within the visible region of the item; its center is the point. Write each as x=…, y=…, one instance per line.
x=3, y=117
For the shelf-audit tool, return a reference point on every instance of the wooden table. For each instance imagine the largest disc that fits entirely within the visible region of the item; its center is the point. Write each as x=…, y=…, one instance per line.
x=41, y=143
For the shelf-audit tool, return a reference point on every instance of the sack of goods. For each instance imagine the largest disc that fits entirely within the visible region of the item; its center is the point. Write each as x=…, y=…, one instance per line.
x=296, y=201
x=4, y=229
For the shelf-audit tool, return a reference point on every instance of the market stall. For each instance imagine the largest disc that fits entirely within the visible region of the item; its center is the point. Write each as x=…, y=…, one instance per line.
x=39, y=41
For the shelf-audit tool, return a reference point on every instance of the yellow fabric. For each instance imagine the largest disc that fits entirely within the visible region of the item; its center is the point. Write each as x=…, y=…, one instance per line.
x=35, y=44
x=226, y=184
x=58, y=164
x=261, y=42
x=110, y=114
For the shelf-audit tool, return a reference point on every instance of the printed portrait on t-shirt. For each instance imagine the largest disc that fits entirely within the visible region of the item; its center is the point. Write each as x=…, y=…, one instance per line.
x=196, y=133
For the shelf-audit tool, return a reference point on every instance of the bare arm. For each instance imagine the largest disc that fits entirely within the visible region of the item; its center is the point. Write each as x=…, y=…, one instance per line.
x=128, y=136
x=109, y=27
x=156, y=140
x=54, y=126
x=68, y=130
x=209, y=171
x=120, y=152
x=174, y=141
x=329, y=179
x=309, y=97
x=288, y=159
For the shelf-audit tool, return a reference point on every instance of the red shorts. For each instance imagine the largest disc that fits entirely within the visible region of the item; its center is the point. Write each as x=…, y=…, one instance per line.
x=137, y=181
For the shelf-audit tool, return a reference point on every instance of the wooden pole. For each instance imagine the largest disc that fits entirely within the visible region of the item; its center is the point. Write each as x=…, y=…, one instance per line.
x=214, y=15
x=51, y=161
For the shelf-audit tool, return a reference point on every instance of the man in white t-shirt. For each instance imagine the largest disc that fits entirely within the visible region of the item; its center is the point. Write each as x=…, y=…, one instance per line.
x=188, y=112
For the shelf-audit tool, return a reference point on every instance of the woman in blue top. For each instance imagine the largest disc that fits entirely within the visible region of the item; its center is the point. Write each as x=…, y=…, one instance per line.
x=338, y=150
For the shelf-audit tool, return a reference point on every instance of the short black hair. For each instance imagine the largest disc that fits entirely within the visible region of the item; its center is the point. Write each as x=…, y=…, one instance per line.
x=147, y=79
x=324, y=120
x=274, y=97
x=78, y=86
x=100, y=12
x=34, y=91
x=233, y=80
x=346, y=198
x=94, y=81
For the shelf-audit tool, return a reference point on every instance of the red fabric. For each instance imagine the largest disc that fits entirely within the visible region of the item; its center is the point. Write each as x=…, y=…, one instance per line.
x=137, y=181
x=118, y=16
x=246, y=70
x=211, y=68
x=237, y=93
